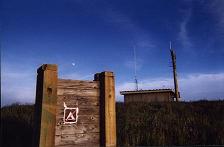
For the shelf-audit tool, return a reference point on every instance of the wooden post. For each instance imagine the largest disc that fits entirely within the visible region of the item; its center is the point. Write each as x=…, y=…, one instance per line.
x=45, y=106
x=107, y=108
x=173, y=55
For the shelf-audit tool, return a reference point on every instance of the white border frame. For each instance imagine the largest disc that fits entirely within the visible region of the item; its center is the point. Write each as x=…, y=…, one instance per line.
x=76, y=116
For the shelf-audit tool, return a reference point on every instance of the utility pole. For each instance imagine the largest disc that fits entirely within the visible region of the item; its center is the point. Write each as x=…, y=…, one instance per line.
x=173, y=56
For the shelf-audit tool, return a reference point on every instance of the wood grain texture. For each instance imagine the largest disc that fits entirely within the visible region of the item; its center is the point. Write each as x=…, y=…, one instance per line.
x=78, y=88
x=85, y=96
x=45, y=106
x=79, y=139
x=110, y=112
x=107, y=108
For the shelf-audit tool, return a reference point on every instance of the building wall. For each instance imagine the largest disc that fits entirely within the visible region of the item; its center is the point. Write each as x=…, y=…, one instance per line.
x=149, y=97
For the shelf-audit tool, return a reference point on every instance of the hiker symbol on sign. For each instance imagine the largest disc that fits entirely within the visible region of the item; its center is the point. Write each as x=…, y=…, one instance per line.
x=70, y=115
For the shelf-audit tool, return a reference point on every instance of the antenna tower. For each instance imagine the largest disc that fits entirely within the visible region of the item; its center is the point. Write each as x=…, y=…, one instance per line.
x=136, y=81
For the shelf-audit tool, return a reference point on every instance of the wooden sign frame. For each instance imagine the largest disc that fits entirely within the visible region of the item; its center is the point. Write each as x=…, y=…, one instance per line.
x=46, y=103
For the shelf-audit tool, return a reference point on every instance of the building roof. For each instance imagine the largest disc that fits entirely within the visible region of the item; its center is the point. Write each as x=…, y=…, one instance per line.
x=146, y=91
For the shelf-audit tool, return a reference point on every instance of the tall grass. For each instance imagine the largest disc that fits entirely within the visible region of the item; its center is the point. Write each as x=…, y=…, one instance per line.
x=195, y=123
x=138, y=124
x=16, y=125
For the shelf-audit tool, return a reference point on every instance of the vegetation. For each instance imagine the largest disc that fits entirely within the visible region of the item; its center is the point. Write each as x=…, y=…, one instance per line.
x=184, y=123
x=17, y=125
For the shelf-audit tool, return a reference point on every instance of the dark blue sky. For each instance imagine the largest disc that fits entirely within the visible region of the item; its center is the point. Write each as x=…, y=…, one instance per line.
x=100, y=35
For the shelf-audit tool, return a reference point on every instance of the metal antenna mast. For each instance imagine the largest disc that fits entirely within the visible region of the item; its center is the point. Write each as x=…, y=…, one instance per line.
x=136, y=81
x=173, y=56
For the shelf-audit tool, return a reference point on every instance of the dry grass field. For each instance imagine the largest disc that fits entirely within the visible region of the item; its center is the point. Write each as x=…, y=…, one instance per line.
x=144, y=124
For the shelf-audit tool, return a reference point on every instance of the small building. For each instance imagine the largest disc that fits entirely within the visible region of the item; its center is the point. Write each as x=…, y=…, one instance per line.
x=156, y=95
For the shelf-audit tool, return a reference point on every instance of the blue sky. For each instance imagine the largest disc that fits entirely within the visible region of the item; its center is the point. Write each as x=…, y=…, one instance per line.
x=100, y=35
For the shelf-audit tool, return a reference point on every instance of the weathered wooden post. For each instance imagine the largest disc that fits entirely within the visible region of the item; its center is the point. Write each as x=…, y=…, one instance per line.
x=173, y=56
x=107, y=108
x=45, y=106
